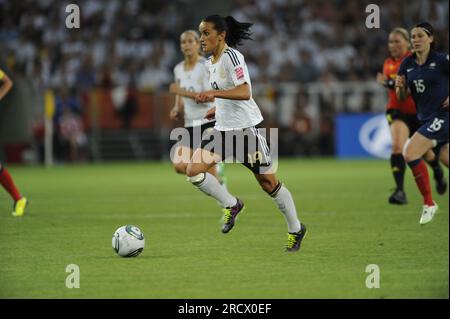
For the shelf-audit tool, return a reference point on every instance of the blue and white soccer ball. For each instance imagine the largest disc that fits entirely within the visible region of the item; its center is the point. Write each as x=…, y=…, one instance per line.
x=128, y=241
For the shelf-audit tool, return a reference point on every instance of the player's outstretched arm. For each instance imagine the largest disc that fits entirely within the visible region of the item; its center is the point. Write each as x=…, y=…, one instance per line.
x=6, y=86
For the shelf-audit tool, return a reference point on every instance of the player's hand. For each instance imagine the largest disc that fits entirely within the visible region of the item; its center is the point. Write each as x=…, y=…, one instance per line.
x=174, y=88
x=400, y=81
x=205, y=97
x=211, y=114
x=445, y=103
x=174, y=114
x=381, y=78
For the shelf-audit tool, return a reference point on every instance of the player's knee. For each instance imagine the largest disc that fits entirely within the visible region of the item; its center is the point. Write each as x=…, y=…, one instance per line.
x=180, y=168
x=408, y=156
x=192, y=170
x=429, y=156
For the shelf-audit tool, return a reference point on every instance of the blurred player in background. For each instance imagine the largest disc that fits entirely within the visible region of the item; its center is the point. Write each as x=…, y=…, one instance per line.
x=402, y=118
x=6, y=180
x=191, y=77
x=236, y=111
x=424, y=76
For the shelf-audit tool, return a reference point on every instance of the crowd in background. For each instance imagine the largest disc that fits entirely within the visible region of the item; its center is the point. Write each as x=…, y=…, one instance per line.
x=135, y=42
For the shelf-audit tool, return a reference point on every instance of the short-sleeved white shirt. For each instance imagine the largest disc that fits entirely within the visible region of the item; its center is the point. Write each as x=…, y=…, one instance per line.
x=195, y=80
x=228, y=72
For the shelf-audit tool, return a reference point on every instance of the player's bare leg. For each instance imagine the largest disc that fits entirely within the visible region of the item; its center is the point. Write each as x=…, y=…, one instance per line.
x=181, y=159
x=181, y=166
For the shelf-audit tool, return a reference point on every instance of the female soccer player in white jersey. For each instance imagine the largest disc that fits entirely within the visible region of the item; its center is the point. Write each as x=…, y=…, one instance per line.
x=191, y=76
x=235, y=111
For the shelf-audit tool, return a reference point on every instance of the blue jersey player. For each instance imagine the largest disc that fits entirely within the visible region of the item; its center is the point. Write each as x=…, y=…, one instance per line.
x=424, y=75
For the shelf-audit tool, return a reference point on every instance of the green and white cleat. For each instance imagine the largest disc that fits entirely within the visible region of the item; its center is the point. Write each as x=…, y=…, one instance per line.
x=295, y=239
x=428, y=213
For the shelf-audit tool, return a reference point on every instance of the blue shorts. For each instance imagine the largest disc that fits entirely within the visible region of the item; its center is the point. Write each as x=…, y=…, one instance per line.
x=436, y=128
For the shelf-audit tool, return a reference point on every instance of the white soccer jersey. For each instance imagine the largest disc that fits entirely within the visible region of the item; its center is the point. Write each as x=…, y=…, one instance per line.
x=228, y=72
x=195, y=80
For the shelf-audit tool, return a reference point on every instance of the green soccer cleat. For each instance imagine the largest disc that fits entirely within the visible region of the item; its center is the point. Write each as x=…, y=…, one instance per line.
x=295, y=239
x=19, y=207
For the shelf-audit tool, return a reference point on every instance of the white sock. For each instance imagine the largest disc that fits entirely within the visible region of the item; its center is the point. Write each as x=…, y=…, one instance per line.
x=226, y=190
x=285, y=203
x=211, y=187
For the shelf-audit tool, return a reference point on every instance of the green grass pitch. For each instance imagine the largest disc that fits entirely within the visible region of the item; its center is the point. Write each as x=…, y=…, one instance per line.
x=74, y=211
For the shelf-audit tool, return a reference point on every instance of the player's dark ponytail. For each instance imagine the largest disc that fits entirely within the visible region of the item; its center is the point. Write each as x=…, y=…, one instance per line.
x=236, y=31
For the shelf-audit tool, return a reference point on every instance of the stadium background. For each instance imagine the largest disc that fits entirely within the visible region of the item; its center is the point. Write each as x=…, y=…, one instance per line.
x=309, y=62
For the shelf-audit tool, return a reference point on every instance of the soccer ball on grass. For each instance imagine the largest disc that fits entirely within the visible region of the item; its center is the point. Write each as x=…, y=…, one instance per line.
x=128, y=241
